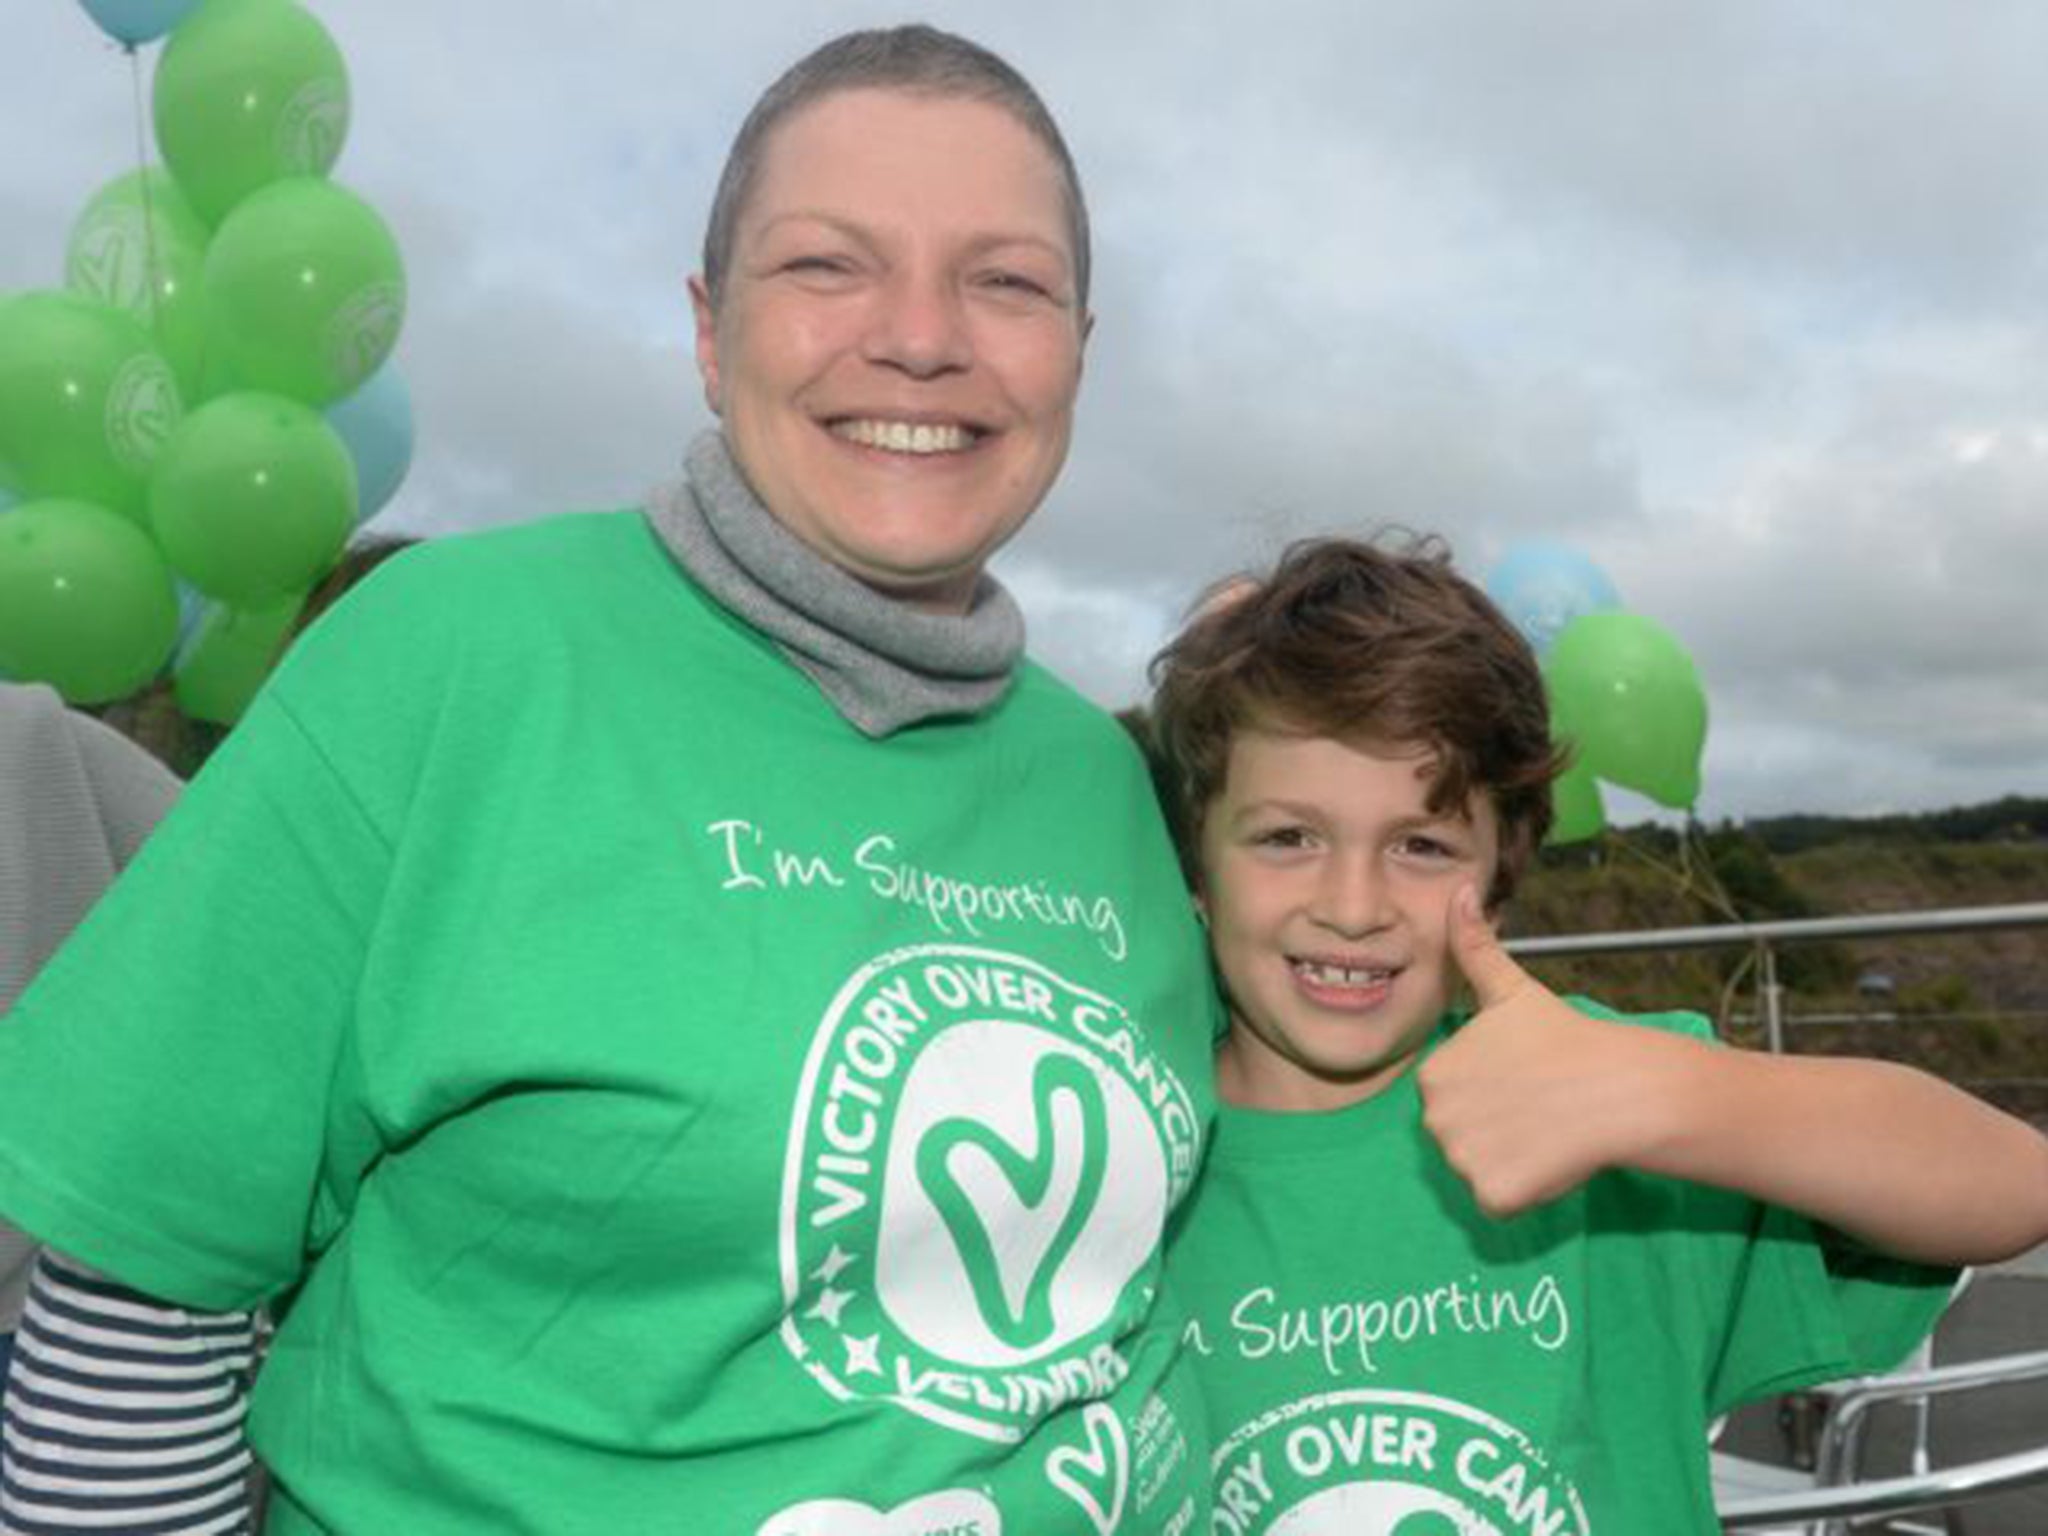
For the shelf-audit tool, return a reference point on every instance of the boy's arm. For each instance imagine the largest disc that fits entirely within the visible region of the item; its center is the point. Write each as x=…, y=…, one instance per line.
x=1531, y=1098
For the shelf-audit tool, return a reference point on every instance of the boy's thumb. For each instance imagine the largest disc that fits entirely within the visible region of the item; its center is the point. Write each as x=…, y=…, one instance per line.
x=1490, y=969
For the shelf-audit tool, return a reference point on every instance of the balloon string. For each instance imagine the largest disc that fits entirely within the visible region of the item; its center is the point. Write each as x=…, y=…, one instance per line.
x=1693, y=875
x=1692, y=872
x=148, y=207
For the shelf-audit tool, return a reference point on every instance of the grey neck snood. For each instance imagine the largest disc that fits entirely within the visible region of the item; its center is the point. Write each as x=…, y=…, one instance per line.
x=883, y=665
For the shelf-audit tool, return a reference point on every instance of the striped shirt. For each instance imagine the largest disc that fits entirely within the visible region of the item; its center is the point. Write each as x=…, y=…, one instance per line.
x=123, y=1414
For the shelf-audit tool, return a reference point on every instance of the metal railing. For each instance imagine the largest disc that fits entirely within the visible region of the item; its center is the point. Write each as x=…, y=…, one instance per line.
x=1764, y=937
x=1838, y=1492
x=1819, y=1507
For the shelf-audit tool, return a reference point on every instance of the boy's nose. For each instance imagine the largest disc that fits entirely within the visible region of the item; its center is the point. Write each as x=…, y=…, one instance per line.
x=1351, y=899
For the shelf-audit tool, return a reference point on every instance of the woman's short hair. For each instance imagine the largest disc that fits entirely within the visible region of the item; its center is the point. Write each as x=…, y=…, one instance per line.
x=916, y=59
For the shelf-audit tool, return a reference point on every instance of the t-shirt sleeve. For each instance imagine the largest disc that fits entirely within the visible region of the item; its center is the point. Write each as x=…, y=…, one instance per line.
x=1787, y=1303
x=174, y=1087
x=1804, y=1307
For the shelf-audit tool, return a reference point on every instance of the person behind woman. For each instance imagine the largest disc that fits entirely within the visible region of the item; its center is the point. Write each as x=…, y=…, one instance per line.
x=126, y=1412
x=705, y=1035
x=108, y=1416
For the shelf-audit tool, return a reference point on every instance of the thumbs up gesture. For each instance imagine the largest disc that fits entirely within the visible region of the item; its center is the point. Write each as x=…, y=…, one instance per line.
x=1532, y=1098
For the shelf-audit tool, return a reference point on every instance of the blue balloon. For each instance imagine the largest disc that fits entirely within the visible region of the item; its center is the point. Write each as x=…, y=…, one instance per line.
x=1542, y=587
x=138, y=21
x=192, y=606
x=376, y=424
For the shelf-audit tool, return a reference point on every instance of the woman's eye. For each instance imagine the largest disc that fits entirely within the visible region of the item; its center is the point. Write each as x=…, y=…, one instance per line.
x=1017, y=283
x=826, y=265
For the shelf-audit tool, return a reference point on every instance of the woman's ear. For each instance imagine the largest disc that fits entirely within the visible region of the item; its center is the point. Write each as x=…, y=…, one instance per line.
x=707, y=343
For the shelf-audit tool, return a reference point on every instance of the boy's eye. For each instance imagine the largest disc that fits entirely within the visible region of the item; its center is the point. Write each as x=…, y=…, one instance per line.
x=1418, y=845
x=1281, y=837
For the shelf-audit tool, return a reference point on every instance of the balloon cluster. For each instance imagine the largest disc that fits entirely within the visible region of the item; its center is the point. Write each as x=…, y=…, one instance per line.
x=208, y=404
x=1624, y=694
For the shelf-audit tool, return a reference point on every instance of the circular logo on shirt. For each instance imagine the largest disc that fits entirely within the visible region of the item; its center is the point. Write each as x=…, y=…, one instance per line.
x=1364, y=1463
x=980, y=1166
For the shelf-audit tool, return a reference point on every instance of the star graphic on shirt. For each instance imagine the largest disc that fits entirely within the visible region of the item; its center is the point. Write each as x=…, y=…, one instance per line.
x=835, y=1261
x=830, y=1304
x=864, y=1355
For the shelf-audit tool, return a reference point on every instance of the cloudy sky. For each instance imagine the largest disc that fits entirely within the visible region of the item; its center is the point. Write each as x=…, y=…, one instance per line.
x=1747, y=301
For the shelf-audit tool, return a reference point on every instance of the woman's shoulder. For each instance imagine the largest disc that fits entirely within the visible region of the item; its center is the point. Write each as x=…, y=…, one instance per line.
x=1063, y=705
x=460, y=612
x=538, y=554
x=487, y=586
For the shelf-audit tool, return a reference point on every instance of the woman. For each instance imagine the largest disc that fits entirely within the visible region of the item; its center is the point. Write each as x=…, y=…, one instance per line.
x=666, y=991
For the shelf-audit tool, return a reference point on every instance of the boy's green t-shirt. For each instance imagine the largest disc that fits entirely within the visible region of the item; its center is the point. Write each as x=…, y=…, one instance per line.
x=666, y=1108
x=1381, y=1358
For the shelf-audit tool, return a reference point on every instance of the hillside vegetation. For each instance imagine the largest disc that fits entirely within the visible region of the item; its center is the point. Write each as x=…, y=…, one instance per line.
x=1973, y=1007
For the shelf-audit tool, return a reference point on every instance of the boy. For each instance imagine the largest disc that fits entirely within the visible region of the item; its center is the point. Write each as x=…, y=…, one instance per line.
x=1494, y=1275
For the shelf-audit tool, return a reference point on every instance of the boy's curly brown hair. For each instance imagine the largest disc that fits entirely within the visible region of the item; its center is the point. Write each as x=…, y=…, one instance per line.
x=1379, y=645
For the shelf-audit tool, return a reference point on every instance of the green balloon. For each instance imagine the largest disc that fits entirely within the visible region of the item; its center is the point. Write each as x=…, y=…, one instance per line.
x=1626, y=694
x=253, y=498
x=305, y=292
x=216, y=378
x=86, y=602
x=139, y=247
x=229, y=657
x=86, y=403
x=248, y=92
x=1575, y=801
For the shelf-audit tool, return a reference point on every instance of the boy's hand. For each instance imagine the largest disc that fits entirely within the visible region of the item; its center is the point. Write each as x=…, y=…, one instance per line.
x=1532, y=1098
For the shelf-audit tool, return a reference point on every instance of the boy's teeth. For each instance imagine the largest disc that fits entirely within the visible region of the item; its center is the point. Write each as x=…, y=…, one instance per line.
x=904, y=437
x=1340, y=975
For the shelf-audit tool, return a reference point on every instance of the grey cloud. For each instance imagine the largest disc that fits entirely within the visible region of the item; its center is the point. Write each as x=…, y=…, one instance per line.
x=1742, y=299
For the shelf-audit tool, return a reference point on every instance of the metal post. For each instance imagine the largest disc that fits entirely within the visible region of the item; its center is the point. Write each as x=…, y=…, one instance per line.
x=1772, y=998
